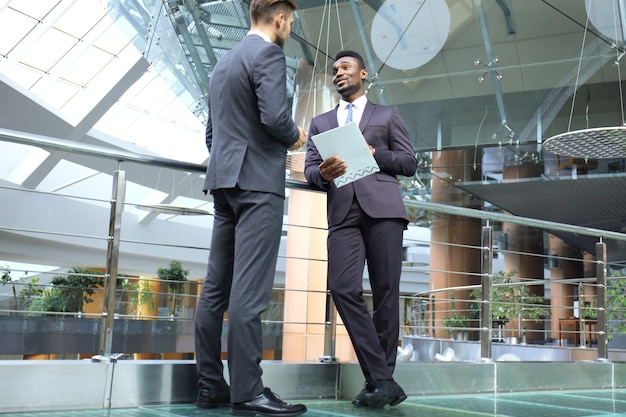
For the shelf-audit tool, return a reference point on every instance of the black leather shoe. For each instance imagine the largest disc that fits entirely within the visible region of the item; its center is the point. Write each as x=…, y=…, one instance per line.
x=360, y=398
x=267, y=404
x=213, y=397
x=386, y=391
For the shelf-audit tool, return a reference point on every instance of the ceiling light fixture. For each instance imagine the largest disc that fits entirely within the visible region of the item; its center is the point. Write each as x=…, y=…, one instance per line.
x=490, y=68
x=604, y=142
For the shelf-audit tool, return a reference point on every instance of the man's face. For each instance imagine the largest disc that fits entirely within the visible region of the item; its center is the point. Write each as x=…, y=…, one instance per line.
x=348, y=76
x=284, y=29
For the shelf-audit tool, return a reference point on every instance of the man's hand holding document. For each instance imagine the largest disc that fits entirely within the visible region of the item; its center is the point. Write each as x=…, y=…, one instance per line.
x=347, y=142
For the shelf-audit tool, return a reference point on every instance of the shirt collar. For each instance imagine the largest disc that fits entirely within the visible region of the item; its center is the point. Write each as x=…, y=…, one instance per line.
x=261, y=34
x=359, y=103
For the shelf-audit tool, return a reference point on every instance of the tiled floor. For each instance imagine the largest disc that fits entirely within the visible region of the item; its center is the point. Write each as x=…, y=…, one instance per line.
x=596, y=403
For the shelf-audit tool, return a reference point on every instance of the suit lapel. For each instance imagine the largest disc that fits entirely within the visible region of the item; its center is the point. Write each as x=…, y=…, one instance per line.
x=332, y=118
x=367, y=114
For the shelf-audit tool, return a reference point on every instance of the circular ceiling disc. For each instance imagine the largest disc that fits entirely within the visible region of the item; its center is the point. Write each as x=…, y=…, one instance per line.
x=407, y=34
x=598, y=143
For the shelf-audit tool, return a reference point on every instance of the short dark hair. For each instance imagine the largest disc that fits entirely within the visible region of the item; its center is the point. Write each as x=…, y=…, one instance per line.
x=265, y=10
x=351, y=54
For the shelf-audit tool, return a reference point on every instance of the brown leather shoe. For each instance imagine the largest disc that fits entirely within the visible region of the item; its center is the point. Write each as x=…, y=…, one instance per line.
x=386, y=391
x=267, y=404
x=213, y=397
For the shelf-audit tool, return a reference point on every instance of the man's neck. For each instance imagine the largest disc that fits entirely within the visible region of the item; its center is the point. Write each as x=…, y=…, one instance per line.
x=353, y=97
x=269, y=34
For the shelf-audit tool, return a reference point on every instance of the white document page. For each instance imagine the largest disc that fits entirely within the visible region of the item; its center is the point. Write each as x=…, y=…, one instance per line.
x=347, y=142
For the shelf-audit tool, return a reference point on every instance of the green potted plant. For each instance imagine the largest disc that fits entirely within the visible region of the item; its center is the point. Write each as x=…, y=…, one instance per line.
x=68, y=292
x=52, y=300
x=5, y=278
x=76, y=287
x=509, y=301
x=616, y=304
x=176, y=277
x=456, y=321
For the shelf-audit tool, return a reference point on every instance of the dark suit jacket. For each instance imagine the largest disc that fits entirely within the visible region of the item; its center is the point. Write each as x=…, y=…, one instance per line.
x=250, y=127
x=378, y=194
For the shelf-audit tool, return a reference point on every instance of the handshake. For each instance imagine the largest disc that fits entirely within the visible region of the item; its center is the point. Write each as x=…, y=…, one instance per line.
x=301, y=140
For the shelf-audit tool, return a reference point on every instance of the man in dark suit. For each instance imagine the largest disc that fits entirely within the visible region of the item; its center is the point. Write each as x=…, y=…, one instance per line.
x=249, y=131
x=366, y=220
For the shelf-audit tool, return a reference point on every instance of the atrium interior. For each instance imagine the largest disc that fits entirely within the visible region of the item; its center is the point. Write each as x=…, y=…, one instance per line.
x=515, y=110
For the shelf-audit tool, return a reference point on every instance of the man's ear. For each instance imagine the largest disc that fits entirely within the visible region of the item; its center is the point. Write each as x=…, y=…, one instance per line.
x=363, y=74
x=278, y=20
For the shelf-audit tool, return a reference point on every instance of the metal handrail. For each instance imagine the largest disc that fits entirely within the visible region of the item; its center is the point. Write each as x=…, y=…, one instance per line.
x=508, y=218
x=47, y=142
x=56, y=144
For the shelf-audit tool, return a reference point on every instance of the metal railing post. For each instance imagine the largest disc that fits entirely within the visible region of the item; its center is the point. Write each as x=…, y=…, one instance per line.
x=581, y=316
x=113, y=248
x=330, y=332
x=485, y=305
x=601, y=281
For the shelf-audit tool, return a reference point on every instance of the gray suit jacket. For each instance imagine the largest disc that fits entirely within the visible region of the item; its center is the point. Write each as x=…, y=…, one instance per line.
x=378, y=194
x=250, y=127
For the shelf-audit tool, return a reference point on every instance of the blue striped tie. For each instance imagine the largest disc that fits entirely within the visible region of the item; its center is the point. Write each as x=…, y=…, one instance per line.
x=349, y=118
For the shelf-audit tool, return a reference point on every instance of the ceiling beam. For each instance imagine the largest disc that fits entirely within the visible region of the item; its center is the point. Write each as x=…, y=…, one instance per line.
x=82, y=128
x=491, y=61
x=508, y=17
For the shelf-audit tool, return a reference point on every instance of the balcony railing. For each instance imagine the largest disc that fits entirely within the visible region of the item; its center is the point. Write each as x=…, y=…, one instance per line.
x=499, y=301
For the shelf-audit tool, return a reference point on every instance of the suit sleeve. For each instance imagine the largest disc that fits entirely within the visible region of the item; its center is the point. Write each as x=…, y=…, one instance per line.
x=270, y=83
x=313, y=160
x=398, y=158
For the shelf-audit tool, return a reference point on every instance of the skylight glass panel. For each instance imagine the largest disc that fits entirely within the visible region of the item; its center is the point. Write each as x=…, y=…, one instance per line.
x=36, y=9
x=146, y=196
x=15, y=26
x=143, y=196
x=117, y=120
x=55, y=92
x=66, y=173
x=91, y=62
x=112, y=40
x=20, y=75
x=180, y=114
x=18, y=161
x=47, y=51
x=27, y=165
x=102, y=83
x=153, y=117
x=95, y=189
x=80, y=19
x=153, y=90
x=167, y=139
x=51, y=52
x=149, y=24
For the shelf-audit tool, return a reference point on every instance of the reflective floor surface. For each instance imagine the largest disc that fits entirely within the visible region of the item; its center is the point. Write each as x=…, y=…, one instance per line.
x=595, y=403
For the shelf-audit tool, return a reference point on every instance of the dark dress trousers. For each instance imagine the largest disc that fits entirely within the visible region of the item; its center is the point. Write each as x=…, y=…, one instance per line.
x=366, y=221
x=248, y=133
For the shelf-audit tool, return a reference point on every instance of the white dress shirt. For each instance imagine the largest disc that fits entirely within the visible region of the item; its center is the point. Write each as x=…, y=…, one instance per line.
x=261, y=34
x=357, y=110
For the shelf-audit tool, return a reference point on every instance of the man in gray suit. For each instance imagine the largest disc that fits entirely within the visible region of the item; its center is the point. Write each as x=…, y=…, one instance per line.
x=366, y=220
x=249, y=131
